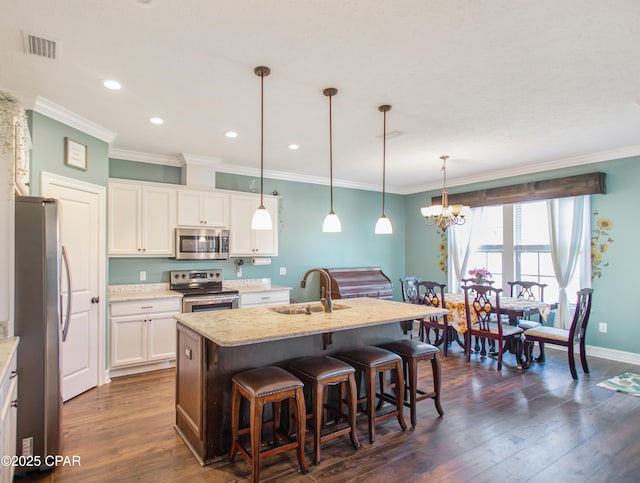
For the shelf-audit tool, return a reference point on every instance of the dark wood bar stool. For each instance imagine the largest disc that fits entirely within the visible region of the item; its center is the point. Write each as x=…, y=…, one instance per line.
x=413, y=352
x=319, y=373
x=260, y=386
x=373, y=361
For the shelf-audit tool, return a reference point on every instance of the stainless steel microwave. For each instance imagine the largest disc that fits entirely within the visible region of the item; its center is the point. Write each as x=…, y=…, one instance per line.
x=202, y=244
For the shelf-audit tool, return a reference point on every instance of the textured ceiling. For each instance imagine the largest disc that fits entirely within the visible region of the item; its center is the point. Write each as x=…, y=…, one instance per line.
x=502, y=86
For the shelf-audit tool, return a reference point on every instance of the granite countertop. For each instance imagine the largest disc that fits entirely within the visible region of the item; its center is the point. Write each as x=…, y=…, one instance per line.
x=7, y=348
x=141, y=291
x=261, y=324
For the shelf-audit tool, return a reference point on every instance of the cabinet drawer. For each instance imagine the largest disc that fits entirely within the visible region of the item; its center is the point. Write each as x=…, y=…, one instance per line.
x=133, y=307
x=8, y=378
x=269, y=297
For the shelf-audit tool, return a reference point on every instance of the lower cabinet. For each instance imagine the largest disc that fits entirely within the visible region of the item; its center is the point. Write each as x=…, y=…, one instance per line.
x=143, y=332
x=267, y=297
x=8, y=419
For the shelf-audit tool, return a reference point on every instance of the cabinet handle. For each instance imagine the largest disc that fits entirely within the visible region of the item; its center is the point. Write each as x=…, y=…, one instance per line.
x=144, y=249
x=139, y=249
x=13, y=374
x=147, y=307
x=14, y=403
x=265, y=298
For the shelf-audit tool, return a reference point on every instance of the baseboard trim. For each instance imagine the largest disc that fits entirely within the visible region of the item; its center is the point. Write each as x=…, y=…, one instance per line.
x=127, y=371
x=604, y=353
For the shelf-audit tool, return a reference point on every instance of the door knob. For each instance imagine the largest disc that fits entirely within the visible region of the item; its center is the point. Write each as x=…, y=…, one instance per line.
x=95, y=300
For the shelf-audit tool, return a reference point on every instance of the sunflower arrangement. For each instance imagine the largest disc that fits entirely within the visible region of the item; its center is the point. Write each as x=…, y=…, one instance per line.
x=600, y=241
x=443, y=252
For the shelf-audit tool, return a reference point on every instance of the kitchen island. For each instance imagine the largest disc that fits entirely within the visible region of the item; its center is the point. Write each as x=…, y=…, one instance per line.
x=213, y=346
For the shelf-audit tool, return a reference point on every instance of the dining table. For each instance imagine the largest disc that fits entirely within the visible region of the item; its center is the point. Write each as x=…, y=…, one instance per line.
x=514, y=308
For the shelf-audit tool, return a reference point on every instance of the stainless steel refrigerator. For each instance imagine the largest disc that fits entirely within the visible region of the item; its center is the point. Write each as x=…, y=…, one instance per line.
x=38, y=314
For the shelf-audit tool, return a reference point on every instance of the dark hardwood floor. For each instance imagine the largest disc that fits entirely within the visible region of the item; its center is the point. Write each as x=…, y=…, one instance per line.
x=538, y=425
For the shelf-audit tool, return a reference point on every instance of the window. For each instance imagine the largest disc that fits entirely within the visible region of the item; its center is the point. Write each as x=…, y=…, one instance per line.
x=512, y=242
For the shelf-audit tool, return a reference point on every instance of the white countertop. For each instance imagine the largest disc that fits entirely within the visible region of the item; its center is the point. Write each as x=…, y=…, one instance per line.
x=141, y=291
x=249, y=285
x=7, y=348
x=229, y=328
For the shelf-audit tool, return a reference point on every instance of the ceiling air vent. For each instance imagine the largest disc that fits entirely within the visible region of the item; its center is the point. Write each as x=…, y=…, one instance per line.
x=40, y=46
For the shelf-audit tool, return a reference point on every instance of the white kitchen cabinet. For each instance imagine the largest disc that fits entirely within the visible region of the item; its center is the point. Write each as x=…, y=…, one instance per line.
x=264, y=298
x=143, y=331
x=8, y=418
x=243, y=241
x=142, y=220
x=203, y=209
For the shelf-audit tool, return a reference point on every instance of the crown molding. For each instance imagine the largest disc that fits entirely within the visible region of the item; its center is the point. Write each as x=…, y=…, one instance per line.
x=199, y=159
x=532, y=168
x=300, y=178
x=150, y=158
x=71, y=119
x=185, y=159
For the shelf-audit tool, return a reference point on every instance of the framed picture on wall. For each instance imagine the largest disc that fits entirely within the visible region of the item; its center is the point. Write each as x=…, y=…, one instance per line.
x=75, y=154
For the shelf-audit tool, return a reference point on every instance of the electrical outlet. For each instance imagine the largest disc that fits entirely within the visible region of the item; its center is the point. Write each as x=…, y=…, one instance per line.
x=143, y=276
x=238, y=271
x=27, y=446
x=603, y=327
x=283, y=270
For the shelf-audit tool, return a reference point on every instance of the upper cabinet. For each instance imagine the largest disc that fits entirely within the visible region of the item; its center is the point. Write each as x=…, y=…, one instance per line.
x=243, y=241
x=141, y=220
x=203, y=209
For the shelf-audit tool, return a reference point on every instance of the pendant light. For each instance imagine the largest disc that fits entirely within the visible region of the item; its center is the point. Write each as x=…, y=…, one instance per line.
x=261, y=218
x=383, y=225
x=331, y=222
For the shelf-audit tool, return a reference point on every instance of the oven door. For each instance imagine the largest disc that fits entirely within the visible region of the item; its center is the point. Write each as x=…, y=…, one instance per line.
x=206, y=303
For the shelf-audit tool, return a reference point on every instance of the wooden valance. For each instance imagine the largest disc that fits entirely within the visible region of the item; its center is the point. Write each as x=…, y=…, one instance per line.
x=583, y=184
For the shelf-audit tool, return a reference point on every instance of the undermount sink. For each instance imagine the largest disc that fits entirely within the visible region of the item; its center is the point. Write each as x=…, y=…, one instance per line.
x=304, y=308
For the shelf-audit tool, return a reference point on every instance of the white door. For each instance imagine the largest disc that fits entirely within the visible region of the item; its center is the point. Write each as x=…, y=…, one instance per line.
x=81, y=225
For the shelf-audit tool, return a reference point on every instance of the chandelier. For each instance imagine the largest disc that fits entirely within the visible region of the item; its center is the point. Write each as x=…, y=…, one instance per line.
x=444, y=215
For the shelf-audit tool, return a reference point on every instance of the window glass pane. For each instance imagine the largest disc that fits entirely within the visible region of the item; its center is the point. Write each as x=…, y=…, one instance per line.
x=531, y=224
x=489, y=232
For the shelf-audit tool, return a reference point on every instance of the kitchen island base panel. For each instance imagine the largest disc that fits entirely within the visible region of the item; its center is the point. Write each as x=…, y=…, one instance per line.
x=205, y=370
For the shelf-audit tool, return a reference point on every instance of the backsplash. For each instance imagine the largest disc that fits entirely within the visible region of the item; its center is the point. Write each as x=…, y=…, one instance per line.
x=4, y=329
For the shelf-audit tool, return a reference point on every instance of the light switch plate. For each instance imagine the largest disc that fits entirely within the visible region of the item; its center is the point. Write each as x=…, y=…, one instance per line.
x=283, y=270
x=143, y=276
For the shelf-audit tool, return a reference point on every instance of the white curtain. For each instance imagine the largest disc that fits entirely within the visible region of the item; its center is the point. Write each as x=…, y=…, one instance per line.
x=460, y=243
x=566, y=228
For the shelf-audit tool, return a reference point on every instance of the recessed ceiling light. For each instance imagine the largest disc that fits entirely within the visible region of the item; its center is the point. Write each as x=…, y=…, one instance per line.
x=156, y=120
x=231, y=134
x=112, y=84
x=293, y=147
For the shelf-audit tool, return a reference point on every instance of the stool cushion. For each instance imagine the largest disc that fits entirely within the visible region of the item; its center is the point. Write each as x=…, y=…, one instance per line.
x=319, y=368
x=267, y=380
x=410, y=348
x=370, y=356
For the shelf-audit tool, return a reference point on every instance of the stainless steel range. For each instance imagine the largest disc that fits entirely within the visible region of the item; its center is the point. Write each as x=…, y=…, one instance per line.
x=202, y=290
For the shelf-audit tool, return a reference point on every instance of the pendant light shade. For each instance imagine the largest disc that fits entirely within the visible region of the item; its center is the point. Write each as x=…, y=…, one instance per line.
x=383, y=225
x=261, y=219
x=331, y=221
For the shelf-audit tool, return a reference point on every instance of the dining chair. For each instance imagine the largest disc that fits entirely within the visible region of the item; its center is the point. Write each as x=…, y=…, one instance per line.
x=563, y=337
x=432, y=294
x=409, y=291
x=481, y=302
x=527, y=290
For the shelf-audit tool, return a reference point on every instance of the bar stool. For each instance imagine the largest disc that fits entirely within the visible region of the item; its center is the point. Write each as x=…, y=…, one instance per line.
x=261, y=386
x=372, y=361
x=319, y=373
x=412, y=352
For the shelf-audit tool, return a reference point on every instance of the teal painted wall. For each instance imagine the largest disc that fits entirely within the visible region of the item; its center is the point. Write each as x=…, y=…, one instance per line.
x=47, y=153
x=302, y=244
x=612, y=300
x=123, y=169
